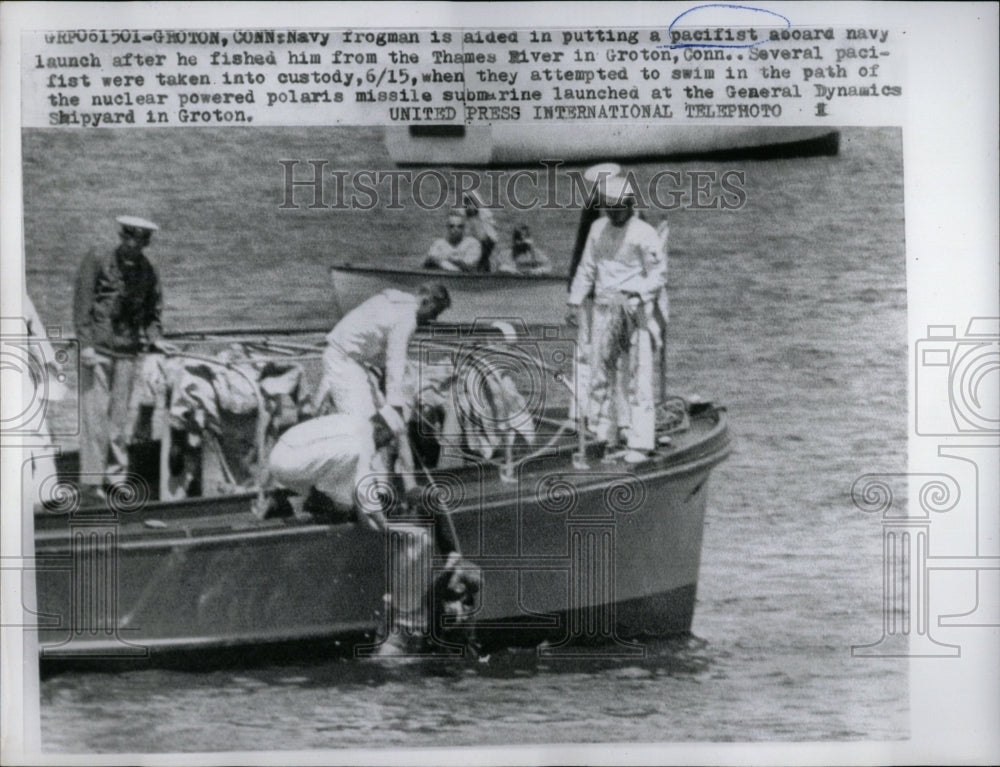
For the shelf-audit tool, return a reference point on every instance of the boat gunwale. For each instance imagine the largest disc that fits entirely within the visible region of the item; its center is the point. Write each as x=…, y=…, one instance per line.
x=431, y=274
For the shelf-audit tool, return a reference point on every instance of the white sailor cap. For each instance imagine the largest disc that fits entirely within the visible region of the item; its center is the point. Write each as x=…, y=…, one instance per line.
x=602, y=170
x=615, y=190
x=135, y=222
x=392, y=418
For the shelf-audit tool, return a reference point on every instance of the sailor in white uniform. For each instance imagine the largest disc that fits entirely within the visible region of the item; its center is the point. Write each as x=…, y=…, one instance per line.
x=624, y=264
x=375, y=336
x=353, y=460
x=342, y=455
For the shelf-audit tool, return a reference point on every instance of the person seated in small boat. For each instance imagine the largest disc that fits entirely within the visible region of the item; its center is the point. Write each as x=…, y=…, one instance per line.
x=456, y=251
x=479, y=224
x=523, y=257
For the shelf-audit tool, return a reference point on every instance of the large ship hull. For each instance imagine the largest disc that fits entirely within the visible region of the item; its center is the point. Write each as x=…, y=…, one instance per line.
x=508, y=145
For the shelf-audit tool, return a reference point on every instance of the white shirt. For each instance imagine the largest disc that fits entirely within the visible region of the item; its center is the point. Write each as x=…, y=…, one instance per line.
x=377, y=333
x=618, y=259
x=463, y=257
x=336, y=455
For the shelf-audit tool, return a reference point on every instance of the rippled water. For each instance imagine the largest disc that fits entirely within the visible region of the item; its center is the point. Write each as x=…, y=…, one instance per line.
x=790, y=311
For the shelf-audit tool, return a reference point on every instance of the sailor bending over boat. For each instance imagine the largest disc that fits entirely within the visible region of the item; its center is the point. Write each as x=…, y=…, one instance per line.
x=456, y=251
x=353, y=461
x=346, y=457
x=375, y=336
x=624, y=264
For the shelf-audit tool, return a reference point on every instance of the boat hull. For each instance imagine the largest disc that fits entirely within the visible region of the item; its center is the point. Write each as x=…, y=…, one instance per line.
x=576, y=557
x=506, y=145
x=538, y=299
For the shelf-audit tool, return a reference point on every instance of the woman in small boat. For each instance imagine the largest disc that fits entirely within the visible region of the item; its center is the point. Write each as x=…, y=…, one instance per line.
x=523, y=257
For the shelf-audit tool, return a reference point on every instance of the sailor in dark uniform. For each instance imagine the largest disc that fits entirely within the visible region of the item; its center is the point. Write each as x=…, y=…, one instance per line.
x=116, y=312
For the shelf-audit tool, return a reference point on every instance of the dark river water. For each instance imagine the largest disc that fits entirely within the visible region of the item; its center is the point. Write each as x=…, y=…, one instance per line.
x=790, y=311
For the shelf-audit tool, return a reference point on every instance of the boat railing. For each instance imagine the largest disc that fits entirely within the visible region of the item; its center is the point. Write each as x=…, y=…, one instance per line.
x=251, y=348
x=508, y=465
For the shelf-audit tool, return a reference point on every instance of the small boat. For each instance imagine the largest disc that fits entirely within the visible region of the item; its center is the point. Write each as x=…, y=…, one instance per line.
x=518, y=144
x=542, y=298
x=577, y=548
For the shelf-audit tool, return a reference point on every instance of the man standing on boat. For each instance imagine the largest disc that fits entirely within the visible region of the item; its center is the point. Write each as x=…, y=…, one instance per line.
x=457, y=251
x=624, y=264
x=116, y=312
x=374, y=336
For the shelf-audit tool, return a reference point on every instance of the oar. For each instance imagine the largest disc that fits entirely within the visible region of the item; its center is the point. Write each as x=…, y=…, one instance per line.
x=452, y=530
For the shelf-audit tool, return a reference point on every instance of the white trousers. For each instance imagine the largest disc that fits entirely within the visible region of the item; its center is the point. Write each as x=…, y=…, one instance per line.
x=319, y=462
x=621, y=377
x=347, y=384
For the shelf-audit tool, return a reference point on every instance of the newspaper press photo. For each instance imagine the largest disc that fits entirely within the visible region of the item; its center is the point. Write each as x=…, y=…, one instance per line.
x=500, y=383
